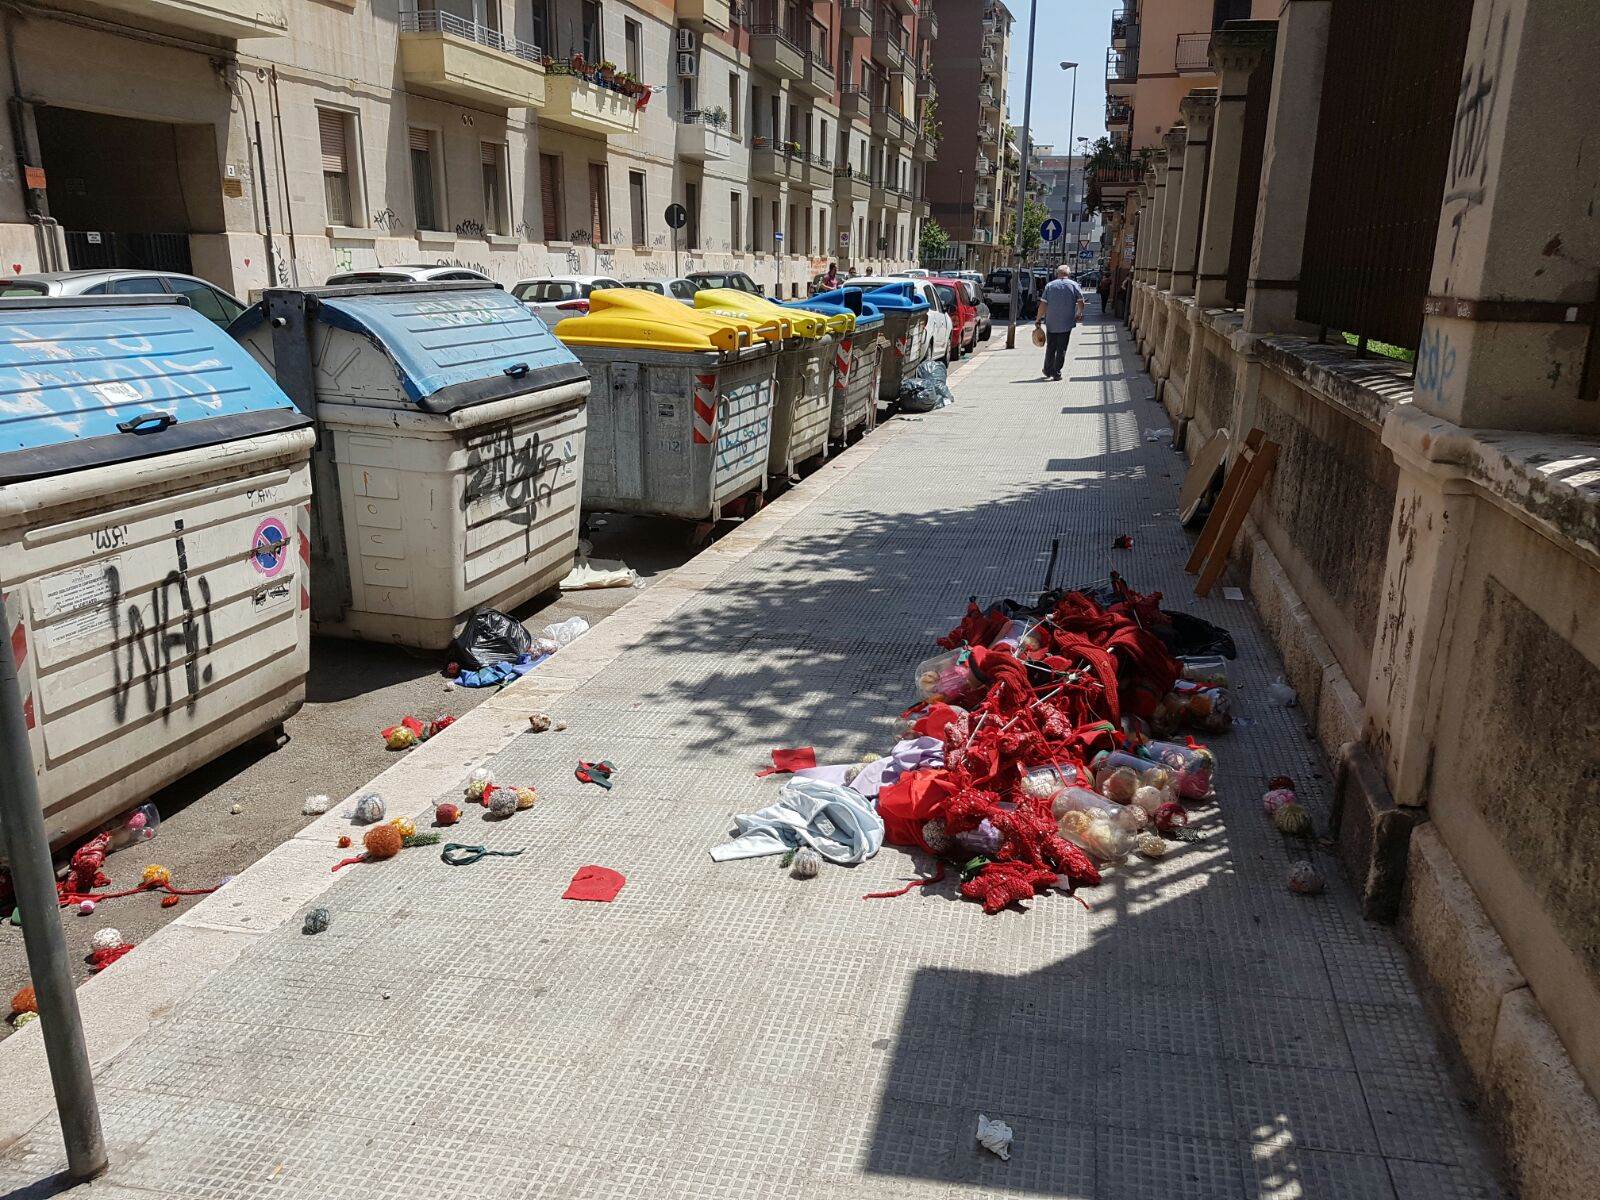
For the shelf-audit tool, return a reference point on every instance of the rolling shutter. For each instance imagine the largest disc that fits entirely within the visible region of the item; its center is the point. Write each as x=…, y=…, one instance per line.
x=330, y=128
x=420, y=140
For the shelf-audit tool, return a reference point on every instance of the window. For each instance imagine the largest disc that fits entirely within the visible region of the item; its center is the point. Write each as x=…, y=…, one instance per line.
x=682, y=289
x=206, y=300
x=334, y=133
x=807, y=242
x=1229, y=10
x=734, y=222
x=632, y=55
x=733, y=103
x=636, y=205
x=599, y=209
x=593, y=45
x=790, y=229
x=543, y=26
x=777, y=119
x=427, y=192
x=822, y=137
x=550, y=196
x=139, y=285
x=496, y=207
x=691, y=201
x=777, y=226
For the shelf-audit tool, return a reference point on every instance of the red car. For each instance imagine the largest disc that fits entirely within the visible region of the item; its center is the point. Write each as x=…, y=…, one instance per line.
x=956, y=297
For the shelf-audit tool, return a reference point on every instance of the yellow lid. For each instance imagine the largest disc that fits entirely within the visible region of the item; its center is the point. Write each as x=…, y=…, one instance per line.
x=799, y=321
x=633, y=317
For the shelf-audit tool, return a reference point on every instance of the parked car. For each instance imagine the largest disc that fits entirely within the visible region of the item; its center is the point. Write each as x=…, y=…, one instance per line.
x=997, y=291
x=737, y=280
x=206, y=299
x=956, y=297
x=939, y=321
x=407, y=273
x=675, y=286
x=972, y=282
x=554, y=298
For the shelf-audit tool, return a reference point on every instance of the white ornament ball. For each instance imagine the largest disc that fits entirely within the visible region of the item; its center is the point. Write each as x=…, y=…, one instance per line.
x=87, y=907
x=1151, y=845
x=807, y=863
x=106, y=939
x=478, y=783
x=1148, y=799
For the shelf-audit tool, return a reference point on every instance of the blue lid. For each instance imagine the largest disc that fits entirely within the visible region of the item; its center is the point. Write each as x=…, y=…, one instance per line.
x=452, y=339
x=115, y=374
x=898, y=297
x=841, y=300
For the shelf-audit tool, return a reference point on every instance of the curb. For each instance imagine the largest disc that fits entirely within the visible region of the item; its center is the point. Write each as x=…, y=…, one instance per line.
x=119, y=1006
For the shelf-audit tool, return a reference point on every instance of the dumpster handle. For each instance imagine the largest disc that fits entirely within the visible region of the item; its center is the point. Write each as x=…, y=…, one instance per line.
x=150, y=422
x=517, y=370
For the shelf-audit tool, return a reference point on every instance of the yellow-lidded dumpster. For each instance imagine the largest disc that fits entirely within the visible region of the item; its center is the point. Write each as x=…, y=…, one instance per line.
x=678, y=426
x=805, y=367
x=449, y=464
x=154, y=509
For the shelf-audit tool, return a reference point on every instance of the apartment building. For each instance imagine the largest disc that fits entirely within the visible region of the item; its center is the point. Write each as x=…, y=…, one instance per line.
x=281, y=141
x=972, y=188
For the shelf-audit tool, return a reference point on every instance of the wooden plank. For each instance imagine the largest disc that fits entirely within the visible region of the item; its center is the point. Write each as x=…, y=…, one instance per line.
x=1261, y=465
x=1207, y=461
x=1230, y=485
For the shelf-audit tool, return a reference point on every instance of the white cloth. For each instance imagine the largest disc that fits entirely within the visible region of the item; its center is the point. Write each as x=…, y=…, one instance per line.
x=837, y=822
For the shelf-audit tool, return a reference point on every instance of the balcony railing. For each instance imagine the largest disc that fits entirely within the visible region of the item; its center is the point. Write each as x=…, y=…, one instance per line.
x=1118, y=112
x=433, y=21
x=1122, y=66
x=1124, y=26
x=1193, y=55
x=930, y=22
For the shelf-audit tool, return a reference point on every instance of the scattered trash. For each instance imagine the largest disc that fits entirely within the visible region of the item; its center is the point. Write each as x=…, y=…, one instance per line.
x=589, y=574
x=836, y=821
x=140, y=825
x=368, y=810
x=23, y=1020
x=170, y=901
x=479, y=782
x=16, y=917
x=411, y=732
x=501, y=673
x=1275, y=799
x=1282, y=693
x=1232, y=593
x=539, y=722
x=100, y=959
x=807, y=863
x=784, y=762
x=501, y=802
x=315, y=806
x=86, y=907
x=598, y=884
x=317, y=920
x=595, y=772
x=385, y=841
x=1305, y=879
x=911, y=885
x=344, y=841
x=105, y=939
x=406, y=826
x=490, y=636
x=1151, y=845
x=236, y=809
x=458, y=854
x=1123, y=541
x=564, y=633
x=1292, y=820
x=446, y=813
x=928, y=389
x=1205, y=668
x=995, y=1136
x=1193, y=705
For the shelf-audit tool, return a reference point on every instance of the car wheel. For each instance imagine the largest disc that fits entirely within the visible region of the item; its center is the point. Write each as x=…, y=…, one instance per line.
x=984, y=336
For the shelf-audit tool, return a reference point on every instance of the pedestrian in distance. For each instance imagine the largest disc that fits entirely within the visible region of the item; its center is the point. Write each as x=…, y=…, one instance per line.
x=1060, y=310
x=831, y=280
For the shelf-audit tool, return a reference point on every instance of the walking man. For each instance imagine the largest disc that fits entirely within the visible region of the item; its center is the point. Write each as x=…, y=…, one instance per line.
x=1060, y=310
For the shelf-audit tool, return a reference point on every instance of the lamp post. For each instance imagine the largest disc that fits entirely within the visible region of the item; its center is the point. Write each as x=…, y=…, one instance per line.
x=1072, y=145
x=1083, y=189
x=1022, y=180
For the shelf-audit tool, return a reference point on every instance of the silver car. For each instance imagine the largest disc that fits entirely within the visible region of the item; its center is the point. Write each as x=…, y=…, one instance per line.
x=554, y=298
x=408, y=273
x=675, y=286
x=206, y=299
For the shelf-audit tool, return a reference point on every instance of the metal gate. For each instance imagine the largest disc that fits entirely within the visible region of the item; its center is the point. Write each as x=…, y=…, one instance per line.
x=103, y=250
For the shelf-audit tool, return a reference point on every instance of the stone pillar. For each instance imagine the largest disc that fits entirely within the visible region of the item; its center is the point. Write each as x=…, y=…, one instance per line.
x=1158, y=215
x=1236, y=50
x=1509, y=339
x=1275, y=257
x=1141, y=254
x=1197, y=109
x=1173, y=140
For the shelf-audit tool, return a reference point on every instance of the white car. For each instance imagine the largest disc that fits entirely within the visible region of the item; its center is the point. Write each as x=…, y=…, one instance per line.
x=408, y=273
x=206, y=299
x=939, y=322
x=675, y=286
x=554, y=298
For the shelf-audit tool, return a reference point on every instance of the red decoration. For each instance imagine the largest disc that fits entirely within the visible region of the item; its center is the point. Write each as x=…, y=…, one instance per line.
x=802, y=758
x=24, y=1001
x=600, y=884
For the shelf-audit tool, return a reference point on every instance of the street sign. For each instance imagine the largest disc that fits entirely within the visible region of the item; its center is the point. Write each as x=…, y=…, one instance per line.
x=677, y=216
x=1050, y=230
x=844, y=237
x=777, y=237
x=1086, y=253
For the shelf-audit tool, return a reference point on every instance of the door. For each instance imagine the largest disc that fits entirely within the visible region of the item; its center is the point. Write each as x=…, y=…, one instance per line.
x=636, y=206
x=599, y=234
x=550, y=196
x=691, y=202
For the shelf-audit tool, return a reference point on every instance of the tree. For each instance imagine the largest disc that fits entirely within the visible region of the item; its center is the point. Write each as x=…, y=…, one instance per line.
x=1034, y=214
x=935, y=241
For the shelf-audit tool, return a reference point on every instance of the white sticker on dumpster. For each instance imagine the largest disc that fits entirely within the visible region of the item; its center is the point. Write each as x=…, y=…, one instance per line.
x=81, y=597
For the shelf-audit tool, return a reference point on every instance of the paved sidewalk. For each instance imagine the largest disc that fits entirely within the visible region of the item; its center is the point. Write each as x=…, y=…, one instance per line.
x=727, y=1031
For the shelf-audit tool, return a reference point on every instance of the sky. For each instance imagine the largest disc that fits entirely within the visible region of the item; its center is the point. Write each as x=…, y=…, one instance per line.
x=1072, y=31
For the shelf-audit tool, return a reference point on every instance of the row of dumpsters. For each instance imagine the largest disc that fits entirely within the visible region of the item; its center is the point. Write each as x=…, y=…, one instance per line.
x=183, y=506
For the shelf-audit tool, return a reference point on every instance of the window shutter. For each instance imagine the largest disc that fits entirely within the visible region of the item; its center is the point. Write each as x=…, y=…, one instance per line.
x=330, y=128
x=420, y=140
x=548, y=200
x=491, y=154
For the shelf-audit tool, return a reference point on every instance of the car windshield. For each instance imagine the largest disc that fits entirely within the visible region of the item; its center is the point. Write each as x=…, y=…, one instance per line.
x=947, y=295
x=647, y=285
x=547, y=291
x=366, y=277
x=999, y=279
x=14, y=289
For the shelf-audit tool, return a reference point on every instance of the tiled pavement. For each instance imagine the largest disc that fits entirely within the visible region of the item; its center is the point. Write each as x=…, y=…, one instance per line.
x=726, y=1031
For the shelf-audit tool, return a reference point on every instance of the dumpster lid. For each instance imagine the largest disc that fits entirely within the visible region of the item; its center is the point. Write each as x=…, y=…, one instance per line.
x=843, y=300
x=453, y=345
x=87, y=381
x=897, y=297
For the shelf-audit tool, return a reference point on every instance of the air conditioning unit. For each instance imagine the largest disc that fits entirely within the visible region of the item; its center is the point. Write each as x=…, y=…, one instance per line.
x=685, y=39
x=688, y=66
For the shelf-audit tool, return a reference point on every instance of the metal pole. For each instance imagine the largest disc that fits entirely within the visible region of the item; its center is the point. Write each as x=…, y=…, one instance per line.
x=1022, y=180
x=1072, y=146
x=28, y=851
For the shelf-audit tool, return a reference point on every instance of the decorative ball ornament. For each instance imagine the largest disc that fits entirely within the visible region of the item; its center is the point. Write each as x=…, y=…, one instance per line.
x=108, y=938
x=87, y=907
x=540, y=722
x=25, y=1001
x=383, y=841
x=1276, y=799
x=1151, y=845
x=807, y=863
x=317, y=920
x=935, y=836
x=1120, y=785
x=344, y=841
x=406, y=826
x=478, y=783
x=1305, y=879
x=155, y=875
x=502, y=803
x=526, y=797
x=447, y=813
x=24, y=1019
x=369, y=809
x=401, y=737
x=1149, y=799
x=1292, y=820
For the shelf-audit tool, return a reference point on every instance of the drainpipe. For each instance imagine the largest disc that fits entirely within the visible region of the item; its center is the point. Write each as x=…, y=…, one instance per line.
x=33, y=199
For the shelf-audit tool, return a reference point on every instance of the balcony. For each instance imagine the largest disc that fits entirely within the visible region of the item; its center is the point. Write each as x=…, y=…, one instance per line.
x=704, y=137
x=926, y=149
x=984, y=165
x=850, y=185
x=1193, y=54
x=1124, y=28
x=713, y=14
x=920, y=206
x=818, y=173
x=445, y=56
x=854, y=105
x=855, y=18
x=988, y=137
x=988, y=103
x=925, y=86
x=775, y=164
x=1119, y=113
x=236, y=19
x=776, y=53
x=896, y=198
x=906, y=8
x=1122, y=72
x=928, y=27
x=983, y=198
x=886, y=123
x=583, y=106
x=879, y=196
x=895, y=58
x=817, y=77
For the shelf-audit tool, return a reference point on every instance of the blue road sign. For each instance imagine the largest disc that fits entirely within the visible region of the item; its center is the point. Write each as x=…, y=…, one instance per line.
x=1050, y=230
x=1086, y=253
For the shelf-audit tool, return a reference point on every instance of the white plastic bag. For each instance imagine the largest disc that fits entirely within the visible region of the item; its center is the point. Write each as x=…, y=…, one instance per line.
x=564, y=633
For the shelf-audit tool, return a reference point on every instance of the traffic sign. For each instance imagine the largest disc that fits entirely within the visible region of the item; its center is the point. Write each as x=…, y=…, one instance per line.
x=1050, y=230
x=777, y=237
x=677, y=216
x=1086, y=253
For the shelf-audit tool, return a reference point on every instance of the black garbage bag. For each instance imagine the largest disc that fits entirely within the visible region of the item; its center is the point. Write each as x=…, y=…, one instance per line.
x=926, y=390
x=490, y=636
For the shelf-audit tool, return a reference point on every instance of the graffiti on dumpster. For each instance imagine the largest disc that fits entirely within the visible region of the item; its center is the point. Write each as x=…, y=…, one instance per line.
x=168, y=635
x=521, y=472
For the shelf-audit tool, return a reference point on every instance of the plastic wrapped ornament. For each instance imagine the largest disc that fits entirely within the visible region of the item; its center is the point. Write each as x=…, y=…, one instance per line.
x=155, y=875
x=1148, y=799
x=478, y=782
x=106, y=939
x=1151, y=845
x=526, y=797
x=369, y=809
x=1041, y=783
x=1305, y=879
x=1276, y=799
x=502, y=803
x=935, y=836
x=406, y=826
x=1131, y=818
x=985, y=839
x=1293, y=820
x=317, y=920
x=446, y=813
x=401, y=737
x=22, y=1020
x=807, y=863
x=1119, y=785
x=315, y=806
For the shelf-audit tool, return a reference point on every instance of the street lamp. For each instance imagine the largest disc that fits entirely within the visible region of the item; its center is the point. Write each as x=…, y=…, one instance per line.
x=1022, y=180
x=1072, y=142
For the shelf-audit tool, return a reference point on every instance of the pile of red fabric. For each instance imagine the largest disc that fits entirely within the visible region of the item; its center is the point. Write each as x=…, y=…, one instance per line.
x=1054, y=699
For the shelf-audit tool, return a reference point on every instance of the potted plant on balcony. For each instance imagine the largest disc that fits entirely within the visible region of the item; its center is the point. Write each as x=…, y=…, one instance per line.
x=577, y=66
x=606, y=71
x=716, y=118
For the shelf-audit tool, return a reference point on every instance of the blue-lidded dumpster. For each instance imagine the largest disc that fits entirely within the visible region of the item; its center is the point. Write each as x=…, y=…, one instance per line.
x=154, y=505
x=859, y=359
x=448, y=470
x=905, y=327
